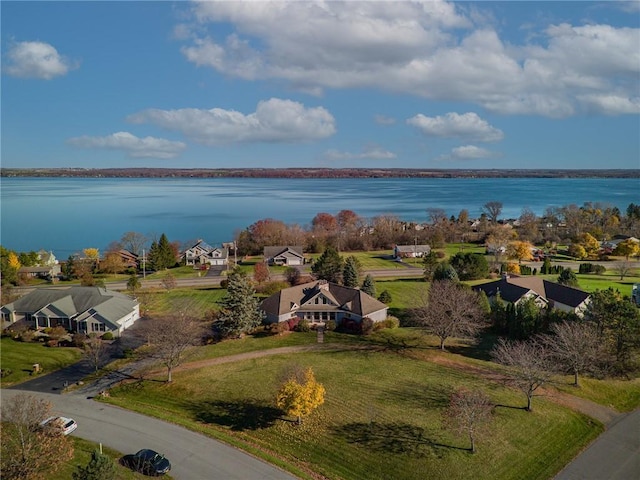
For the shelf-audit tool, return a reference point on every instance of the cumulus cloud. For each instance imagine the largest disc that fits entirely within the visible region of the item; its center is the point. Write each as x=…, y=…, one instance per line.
x=135, y=147
x=275, y=120
x=467, y=125
x=370, y=153
x=36, y=60
x=434, y=49
x=384, y=120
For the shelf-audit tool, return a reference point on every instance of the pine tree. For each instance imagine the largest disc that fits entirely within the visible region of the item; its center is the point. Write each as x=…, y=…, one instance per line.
x=430, y=262
x=369, y=286
x=100, y=467
x=351, y=272
x=240, y=308
x=385, y=297
x=329, y=266
x=166, y=256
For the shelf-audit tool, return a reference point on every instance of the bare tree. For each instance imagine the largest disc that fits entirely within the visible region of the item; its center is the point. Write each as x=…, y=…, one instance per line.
x=530, y=365
x=95, y=350
x=575, y=346
x=28, y=451
x=493, y=210
x=622, y=268
x=450, y=310
x=170, y=336
x=469, y=412
x=169, y=281
x=134, y=242
x=437, y=215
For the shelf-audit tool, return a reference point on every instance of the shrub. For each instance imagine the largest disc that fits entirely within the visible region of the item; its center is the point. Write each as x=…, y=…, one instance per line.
x=385, y=297
x=51, y=343
x=303, y=326
x=278, y=328
x=269, y=288
x=440, y=254
x=330, y=325
x=27, y=336
x=293, y=322
x=78, y=339
x=591, y=268
x=391, y=322
x=366, y=326
x=107, y=336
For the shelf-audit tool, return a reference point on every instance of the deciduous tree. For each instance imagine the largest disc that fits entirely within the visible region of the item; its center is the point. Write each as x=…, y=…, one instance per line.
x=468, y=413
x=27, y=451
x=529, y=362
x=300, y=395
x=627, y=248
x=520, y=251
x=493, y=210
x=134, y=242
x=449, y=310
x=95, y=351
x=260, y=272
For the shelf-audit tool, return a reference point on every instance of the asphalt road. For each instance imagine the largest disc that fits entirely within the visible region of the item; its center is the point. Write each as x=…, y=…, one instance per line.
x=192, y=455
x=615, y=455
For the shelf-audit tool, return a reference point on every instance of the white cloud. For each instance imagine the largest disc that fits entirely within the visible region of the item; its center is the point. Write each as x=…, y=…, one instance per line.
x=466, y=152
x=430, y=49
x=384, y=120
x=135, y=147
x=36, y=60
x=371, y=153
x=468, y=125
x=275, y=120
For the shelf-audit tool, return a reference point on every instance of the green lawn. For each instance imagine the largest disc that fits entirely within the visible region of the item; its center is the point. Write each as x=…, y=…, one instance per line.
x=381, y=418
x=19, y=357
x=621, y=395
x=198, y=301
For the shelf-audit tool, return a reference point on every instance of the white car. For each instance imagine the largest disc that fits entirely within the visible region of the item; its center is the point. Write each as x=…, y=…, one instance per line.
x=61, y=425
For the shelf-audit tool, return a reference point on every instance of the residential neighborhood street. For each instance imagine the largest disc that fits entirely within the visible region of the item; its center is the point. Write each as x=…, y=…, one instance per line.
x=193, y=456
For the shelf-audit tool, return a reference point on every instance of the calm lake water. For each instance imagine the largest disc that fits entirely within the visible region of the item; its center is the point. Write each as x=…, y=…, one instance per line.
x=66, y=215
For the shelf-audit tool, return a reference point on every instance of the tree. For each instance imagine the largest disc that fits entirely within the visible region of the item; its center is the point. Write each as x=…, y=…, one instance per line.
x=623, y=268
x=100, y=467
x=169, y=337
x=112, y=263
x=385, y=297
x=627, y=248
x=529, y=365
x=95, y=350
x=240, y=308
x=351, y=272
x=429, y=262
x=444, y=271
x=91, y=253
x=27, y=451
x=468, y=413
x=300, y=395
x=574, y=346
x=369, y=286
x=470, y=266
x=261, y=272
x=589, y=243
x=169, y=281
x=493, y=210
x=329, y=266
x=520, y=251
x=162, y=254
x=568, y=278
x=133, y=283
x=292, y=274
x=450, y=310
x=133, y=242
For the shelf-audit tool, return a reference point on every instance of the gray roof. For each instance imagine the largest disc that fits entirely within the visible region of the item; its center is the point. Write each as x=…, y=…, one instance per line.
x=73, y=301
x=348, y=299
x=513, y=288
x=275, y=251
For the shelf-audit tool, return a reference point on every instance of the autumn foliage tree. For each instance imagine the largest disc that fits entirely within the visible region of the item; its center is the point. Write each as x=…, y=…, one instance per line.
x=300, y=394
x=261, y=272
x=520, y=251
x=27, y=451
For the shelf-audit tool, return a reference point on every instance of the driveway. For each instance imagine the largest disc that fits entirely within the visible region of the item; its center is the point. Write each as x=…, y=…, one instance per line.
x=193, y=456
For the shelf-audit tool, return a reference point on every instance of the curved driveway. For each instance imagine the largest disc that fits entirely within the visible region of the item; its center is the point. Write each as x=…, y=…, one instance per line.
x=192, y=455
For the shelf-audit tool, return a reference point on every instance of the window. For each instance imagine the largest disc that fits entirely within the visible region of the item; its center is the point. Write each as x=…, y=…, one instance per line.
x=98, y=327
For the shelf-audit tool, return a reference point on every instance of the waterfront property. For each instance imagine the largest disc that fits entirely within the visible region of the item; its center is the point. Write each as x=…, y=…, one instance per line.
x=202, y=254
x=514, y=289
x=411, y=251
x=77, y=309
x=321, y=301
x=284, y=255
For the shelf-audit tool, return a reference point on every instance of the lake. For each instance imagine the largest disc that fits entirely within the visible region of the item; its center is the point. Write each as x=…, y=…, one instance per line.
x=66, y=215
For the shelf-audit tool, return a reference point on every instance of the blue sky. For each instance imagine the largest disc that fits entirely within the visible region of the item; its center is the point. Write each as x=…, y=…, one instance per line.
x=321, y=84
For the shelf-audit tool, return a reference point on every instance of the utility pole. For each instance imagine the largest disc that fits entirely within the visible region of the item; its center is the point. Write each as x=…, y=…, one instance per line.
x=144, y=269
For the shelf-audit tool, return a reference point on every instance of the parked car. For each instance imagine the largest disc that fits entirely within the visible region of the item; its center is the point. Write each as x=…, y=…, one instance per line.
x=59, y=425
x=148, y=462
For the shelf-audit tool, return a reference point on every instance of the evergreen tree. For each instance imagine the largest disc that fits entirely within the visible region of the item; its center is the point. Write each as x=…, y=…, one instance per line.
x=430, y=262
x=351, y=272
x=154, y=254
x=568, y=278
x=546, y=266
x=369, y=286
x=444, y=271
x=385, y=297
x=100, y=467
x=240, y=308
x=470, y=266
x=166, y=256
x=329, y=266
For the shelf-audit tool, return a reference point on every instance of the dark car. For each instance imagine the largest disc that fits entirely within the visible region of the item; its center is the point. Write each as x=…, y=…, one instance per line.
x=148, y=462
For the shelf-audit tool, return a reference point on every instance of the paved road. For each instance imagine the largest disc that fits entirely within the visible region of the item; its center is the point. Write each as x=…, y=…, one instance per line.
x=615, y=455
x=192, y=455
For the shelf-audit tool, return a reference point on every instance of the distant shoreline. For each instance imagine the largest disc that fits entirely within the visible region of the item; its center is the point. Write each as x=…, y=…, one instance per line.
x=313, y=173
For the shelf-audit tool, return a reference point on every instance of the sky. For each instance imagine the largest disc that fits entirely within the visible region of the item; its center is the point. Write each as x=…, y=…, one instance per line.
x=328, y=84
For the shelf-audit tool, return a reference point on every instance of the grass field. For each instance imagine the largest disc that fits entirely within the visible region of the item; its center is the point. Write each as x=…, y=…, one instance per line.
x=381, y=418
x=19, y=357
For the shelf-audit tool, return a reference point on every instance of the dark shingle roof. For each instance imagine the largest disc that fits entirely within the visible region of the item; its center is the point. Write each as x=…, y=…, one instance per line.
x=513, y=288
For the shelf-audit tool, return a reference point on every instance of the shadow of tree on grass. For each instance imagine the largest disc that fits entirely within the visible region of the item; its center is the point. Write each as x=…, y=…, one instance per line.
x=419, y=394
x=394, y=438
x=239, y=416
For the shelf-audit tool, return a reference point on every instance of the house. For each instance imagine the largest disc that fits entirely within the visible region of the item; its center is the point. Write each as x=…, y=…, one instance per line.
x=129, y=259
x=46, y=259
x=47, y=272
x=514, y=289
x=611, y=245
x=320, y=301
x=204, y=254
x=411, y=251
x=284, y=255
x=78, y=309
